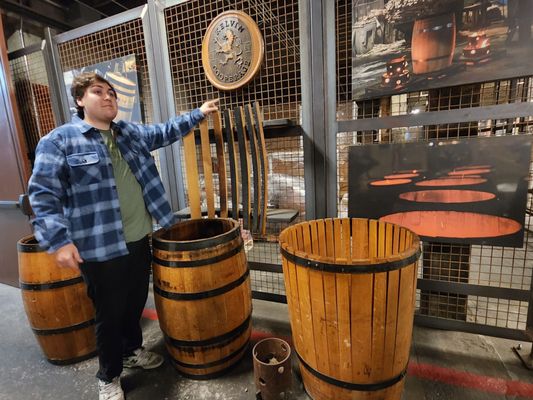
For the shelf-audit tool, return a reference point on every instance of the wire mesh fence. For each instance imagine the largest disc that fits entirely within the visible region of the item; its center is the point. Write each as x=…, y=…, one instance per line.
x=32, y=92
x=278, y=88
x=477, y=267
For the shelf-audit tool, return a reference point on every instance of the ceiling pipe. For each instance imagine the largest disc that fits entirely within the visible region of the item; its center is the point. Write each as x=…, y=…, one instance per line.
x=91, y=8
x=30, y=13
x=120, y=4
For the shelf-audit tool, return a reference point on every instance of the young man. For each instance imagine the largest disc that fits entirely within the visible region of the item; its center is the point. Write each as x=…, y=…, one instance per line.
x=94, y=191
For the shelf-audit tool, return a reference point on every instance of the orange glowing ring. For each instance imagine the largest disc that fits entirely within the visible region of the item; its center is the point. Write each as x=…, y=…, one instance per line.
x=452, y=182
x=454, y=224
x=469, y=172
x=390, y=182
x=447, y=196
x=401, y=176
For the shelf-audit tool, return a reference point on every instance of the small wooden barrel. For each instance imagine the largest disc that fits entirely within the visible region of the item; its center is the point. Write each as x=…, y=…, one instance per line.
x=202, y=294
x=433, y=43
x=56, y=303
x=351, y=287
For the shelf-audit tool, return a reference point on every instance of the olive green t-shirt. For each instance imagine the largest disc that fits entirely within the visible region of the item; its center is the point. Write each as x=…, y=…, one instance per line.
x=135, y=217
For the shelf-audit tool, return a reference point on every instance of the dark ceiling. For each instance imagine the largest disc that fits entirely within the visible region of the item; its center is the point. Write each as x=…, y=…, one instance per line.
x=60, y=15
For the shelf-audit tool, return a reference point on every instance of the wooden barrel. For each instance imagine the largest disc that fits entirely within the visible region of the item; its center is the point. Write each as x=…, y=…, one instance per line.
x=350, y=287
x=202, y=294
x=56, y=303
x=433, y=43
x=126, y=94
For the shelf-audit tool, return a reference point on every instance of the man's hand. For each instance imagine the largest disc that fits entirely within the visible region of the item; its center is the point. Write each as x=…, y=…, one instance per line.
x=209, y=107
x=68, y=256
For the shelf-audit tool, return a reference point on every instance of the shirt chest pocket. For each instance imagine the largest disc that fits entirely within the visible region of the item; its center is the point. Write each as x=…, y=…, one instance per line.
x=84, y=168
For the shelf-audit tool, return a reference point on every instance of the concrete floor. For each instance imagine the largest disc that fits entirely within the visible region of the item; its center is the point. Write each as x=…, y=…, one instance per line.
x=444, y=365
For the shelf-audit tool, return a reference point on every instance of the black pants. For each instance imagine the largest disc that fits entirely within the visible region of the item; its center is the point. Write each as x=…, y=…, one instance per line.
x=118, y=289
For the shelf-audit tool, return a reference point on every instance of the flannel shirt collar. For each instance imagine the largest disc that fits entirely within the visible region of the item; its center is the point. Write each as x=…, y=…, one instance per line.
x=84, y=127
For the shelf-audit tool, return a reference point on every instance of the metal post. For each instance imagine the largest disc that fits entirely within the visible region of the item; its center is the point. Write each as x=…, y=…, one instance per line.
x=527, y=359
x=58, y=91
x=317, y=44
x=155, y=37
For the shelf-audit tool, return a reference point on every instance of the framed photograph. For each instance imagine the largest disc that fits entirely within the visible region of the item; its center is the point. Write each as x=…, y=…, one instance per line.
x=121, y=73
x=456, y=191
x=402, y=46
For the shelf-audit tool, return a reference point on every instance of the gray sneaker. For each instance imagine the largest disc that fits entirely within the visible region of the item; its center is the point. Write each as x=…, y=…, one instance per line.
x=142, y=358
x=111, y=390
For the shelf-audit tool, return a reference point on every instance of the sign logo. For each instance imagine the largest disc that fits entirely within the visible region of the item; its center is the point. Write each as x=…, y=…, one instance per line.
x=232, y=50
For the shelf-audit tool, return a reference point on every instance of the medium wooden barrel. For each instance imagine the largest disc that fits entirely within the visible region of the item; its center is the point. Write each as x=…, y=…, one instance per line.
x=433, y=43
x=56, y=303
x=350, y=287
x=202, y=294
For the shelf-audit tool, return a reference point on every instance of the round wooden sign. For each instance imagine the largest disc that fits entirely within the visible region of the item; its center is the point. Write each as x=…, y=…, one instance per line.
x=232, y=50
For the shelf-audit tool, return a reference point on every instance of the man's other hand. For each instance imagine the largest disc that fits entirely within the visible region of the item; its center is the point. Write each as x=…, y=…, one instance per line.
x=68, y=256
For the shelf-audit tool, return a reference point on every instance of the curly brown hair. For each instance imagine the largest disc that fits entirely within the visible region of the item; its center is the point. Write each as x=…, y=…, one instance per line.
x=81, y=83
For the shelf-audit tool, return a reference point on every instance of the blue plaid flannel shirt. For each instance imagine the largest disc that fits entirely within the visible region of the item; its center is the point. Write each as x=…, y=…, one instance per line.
x=72, y=188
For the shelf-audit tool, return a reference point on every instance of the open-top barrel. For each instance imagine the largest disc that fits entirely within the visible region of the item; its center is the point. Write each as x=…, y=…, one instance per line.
x=350, y=287
x=60, y=313
x=202, y=294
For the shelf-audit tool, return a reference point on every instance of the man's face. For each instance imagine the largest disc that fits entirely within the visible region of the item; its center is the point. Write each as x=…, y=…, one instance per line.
x=99, y=102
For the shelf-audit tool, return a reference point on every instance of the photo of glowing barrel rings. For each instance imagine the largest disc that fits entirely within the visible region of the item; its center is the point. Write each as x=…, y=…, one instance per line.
x=448, y=223
x=460, y=191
